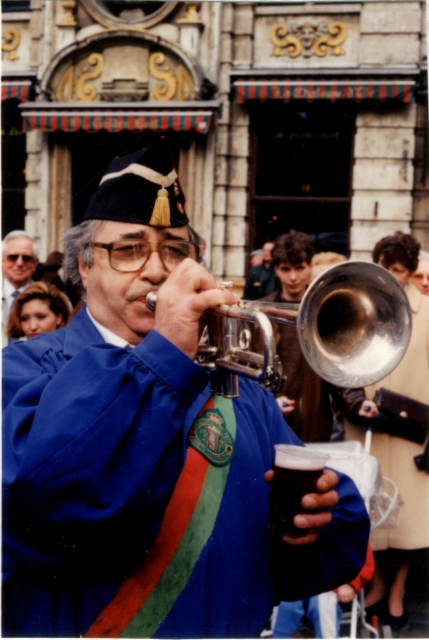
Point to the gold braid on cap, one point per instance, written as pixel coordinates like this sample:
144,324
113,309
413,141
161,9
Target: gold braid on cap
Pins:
161,211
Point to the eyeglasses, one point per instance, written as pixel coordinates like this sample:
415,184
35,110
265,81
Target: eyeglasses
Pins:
13,257
130,255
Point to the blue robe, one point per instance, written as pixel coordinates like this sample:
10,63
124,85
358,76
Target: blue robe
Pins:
94,439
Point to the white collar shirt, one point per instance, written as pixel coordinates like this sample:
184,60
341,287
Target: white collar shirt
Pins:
9,291
108,336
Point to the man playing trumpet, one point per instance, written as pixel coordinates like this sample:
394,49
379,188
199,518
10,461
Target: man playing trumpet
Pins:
118,519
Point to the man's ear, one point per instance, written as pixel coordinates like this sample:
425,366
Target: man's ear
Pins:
83,270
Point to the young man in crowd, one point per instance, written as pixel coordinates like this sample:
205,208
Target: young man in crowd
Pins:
303,397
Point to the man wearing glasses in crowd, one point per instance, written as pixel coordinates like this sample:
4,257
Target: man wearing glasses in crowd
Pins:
121,517
19,262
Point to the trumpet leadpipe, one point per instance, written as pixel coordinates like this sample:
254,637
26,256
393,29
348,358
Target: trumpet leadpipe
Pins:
281,312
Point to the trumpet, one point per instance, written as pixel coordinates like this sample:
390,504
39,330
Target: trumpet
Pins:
353,326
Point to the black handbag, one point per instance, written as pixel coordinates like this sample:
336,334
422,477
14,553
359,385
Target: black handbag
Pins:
422,460
401,416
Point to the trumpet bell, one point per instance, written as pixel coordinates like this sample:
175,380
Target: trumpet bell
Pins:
354,324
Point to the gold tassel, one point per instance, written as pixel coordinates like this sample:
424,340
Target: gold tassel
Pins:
161,211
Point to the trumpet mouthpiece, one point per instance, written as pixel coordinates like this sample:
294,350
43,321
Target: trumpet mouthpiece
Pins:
151,300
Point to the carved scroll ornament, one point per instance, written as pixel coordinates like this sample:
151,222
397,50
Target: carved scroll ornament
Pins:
308,38
11,42
75,86
80,90
175,84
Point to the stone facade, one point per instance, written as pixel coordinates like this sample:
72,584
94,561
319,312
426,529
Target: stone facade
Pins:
212,40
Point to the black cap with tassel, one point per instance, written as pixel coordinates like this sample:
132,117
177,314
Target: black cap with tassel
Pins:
143,188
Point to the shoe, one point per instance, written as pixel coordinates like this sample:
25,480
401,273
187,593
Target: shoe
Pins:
378,609
398,623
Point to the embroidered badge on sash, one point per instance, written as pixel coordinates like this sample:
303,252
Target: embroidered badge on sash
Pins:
211,438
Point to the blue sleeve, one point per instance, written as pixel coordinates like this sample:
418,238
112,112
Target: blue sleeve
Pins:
339,553
335,559
84,445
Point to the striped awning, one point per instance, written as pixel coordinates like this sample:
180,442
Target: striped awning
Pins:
19,89
114,117
322,88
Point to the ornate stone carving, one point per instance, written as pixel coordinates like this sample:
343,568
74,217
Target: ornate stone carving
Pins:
167,89
123,74
81,88
308,37
68,18
124,90
173,85
84,90
192,16
11,42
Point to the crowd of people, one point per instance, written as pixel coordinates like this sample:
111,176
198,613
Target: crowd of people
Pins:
312,407
119,516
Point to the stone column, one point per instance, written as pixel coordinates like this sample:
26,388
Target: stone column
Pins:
238,178
191,26
37,191
384,144
65,23
221,164
231,191
420,218
382,176
37,32
60,218
237,196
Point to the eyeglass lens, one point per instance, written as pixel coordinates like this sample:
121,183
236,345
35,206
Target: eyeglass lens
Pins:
13,257
130,256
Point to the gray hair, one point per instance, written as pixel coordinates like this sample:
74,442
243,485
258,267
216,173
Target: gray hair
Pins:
77,243
20,234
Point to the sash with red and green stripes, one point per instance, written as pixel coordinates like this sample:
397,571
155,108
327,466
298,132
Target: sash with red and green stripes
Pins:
146,598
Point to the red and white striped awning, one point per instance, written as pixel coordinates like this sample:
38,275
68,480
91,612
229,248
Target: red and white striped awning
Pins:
18,89
356,88
115,117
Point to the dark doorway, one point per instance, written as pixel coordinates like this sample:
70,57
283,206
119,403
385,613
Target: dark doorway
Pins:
301,172
91,154
13,168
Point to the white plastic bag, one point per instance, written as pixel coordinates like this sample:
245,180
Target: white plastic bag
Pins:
380,494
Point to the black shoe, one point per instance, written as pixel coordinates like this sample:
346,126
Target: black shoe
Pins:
378,609
398,623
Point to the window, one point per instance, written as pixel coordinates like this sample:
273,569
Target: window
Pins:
301,172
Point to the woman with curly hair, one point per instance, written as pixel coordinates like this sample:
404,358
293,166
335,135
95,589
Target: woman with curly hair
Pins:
40,308
398,253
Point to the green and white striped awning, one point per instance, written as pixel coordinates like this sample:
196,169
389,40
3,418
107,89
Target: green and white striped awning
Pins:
115,117
317,87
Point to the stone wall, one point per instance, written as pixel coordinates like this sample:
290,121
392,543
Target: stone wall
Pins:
383,175
390,177
232,150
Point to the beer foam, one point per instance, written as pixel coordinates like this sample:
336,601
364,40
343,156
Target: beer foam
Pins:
299,458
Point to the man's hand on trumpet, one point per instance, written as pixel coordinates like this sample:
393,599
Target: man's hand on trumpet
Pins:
189,291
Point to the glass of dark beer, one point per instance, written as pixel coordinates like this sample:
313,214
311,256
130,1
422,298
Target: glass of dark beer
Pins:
296,471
